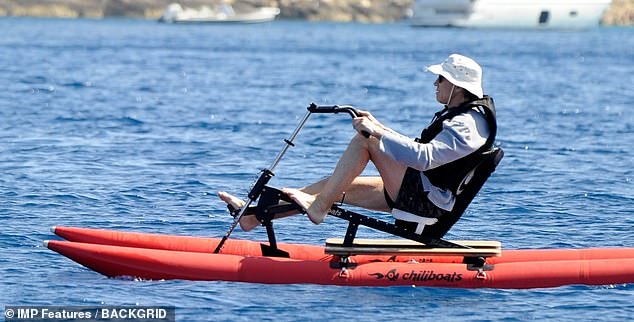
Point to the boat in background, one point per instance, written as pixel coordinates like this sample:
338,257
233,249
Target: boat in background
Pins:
561,14
223,13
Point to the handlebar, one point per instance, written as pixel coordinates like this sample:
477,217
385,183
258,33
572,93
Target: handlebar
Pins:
335,109
313,108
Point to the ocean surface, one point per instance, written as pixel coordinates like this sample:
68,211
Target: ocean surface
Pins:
135,125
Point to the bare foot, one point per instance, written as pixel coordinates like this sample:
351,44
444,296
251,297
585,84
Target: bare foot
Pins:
247,223
307,202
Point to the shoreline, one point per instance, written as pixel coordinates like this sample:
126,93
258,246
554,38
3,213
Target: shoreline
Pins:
620,12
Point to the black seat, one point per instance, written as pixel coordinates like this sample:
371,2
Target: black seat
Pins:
469,190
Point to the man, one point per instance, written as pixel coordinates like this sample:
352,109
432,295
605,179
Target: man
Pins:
419,179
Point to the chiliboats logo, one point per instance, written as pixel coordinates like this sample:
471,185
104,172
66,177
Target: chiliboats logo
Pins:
392,275
418,276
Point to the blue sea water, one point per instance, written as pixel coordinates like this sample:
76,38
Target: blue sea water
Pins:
135,125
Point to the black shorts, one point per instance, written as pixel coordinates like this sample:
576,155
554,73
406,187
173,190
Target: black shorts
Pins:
412,198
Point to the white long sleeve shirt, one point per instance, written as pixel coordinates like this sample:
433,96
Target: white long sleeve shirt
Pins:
460,136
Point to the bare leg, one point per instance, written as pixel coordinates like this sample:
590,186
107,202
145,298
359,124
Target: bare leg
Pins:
366,192
350,165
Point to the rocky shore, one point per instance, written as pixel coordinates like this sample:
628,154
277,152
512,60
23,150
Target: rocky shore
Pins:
621,12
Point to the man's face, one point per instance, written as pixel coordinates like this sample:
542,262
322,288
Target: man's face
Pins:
443,89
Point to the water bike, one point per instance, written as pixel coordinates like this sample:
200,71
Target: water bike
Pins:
410,259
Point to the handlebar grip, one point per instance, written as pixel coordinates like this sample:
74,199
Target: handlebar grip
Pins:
314,108
335,109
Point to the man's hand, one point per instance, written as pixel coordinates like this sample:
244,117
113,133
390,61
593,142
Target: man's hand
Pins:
368,123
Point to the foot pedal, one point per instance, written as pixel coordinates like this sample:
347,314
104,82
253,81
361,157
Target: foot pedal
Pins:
233,210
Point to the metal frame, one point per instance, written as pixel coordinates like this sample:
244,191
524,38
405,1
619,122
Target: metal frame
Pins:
267,174
269,206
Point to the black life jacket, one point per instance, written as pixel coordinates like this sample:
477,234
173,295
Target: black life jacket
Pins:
466,176
450,176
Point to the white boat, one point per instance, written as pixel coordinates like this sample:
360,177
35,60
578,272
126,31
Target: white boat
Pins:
224,13
556,14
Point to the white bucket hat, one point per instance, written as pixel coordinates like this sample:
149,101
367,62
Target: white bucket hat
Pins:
461,71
